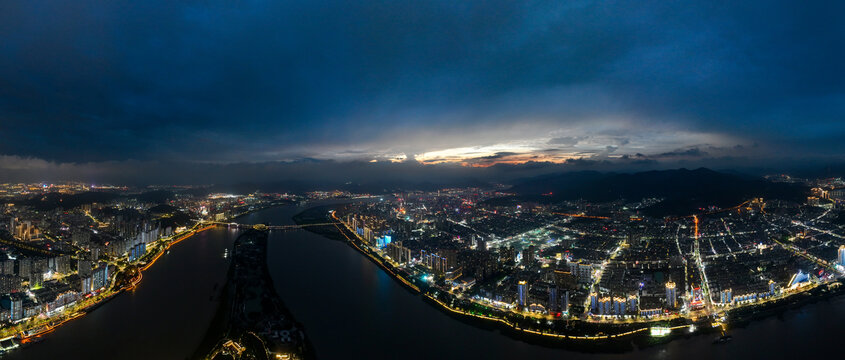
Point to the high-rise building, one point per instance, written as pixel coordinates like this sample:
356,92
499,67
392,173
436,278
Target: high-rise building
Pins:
594,303
23,230
7,267
81,238
24,267
100,276
86,285
726,296
439,263
522,293
620,306
842,255
633,303
564,279
63,264
671,295
605,306
10,283
554,302
528,256
368,235
14,302
564,302
583,271
84,267
836,194
36,279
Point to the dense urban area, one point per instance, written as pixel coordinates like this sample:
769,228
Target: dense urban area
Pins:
68,248
573,270
593,271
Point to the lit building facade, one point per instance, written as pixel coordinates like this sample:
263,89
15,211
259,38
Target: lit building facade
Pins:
671,295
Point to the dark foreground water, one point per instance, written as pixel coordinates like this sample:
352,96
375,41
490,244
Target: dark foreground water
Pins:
353,310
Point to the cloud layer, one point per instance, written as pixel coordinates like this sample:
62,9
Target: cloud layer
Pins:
474,83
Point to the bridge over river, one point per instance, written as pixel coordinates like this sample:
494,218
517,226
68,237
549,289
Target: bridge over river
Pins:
271,227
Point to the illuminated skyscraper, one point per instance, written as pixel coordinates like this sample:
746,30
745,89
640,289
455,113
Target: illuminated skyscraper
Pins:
671,295
619,306
726,297
522,292
605,306
842,255
14,304
564,302
633,303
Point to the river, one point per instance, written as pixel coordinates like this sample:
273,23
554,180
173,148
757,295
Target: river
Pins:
353,310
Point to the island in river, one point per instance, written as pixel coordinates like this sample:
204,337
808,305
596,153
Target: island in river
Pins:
252,322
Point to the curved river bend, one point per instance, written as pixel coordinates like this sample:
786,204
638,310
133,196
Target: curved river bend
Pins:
353,310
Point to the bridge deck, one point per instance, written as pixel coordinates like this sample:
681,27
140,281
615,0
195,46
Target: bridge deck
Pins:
275,227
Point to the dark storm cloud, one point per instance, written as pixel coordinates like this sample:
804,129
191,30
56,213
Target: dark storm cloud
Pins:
234,81
499,155
692,152
325,172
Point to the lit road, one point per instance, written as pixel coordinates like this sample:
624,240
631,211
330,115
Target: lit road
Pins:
796,222
705,284
728,229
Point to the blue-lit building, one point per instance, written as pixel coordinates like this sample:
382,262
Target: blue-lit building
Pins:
522,293
14,303
671,295
799,278
633,303
384,241
619,306
605,306
726,296
137,251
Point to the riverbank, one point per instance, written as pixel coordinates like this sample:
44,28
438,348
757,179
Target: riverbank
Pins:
602,337
742,317
125,279
574,335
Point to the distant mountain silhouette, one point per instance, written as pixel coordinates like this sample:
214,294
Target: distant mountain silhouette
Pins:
371,187
683,189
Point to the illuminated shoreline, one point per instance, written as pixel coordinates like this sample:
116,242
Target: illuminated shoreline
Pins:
695,325
512,325
35,331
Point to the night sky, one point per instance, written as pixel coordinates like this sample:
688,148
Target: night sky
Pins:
202,90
